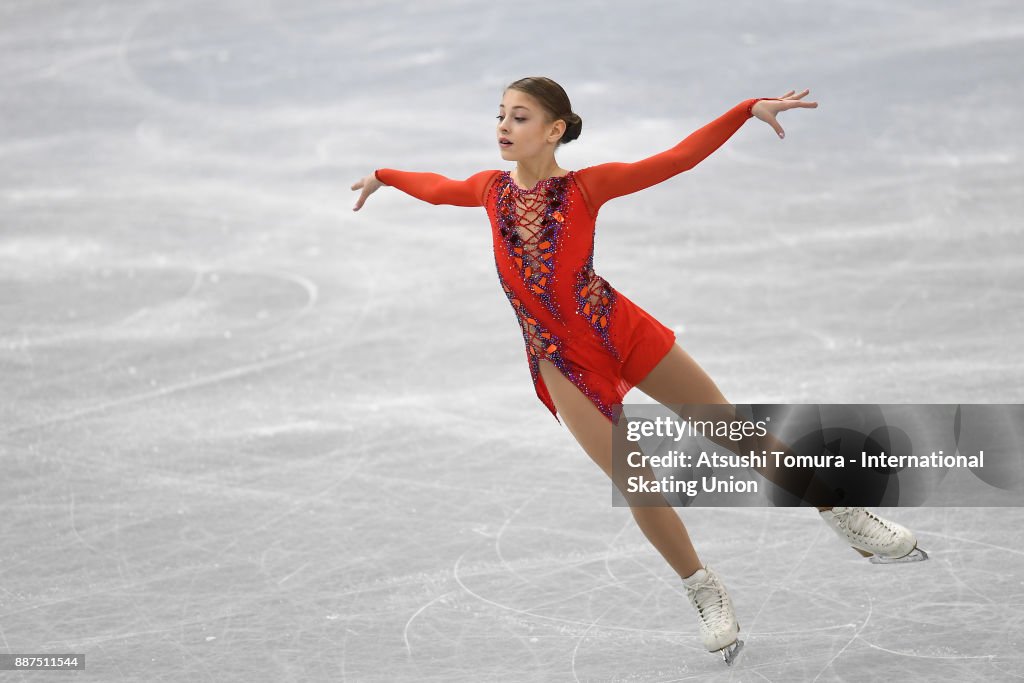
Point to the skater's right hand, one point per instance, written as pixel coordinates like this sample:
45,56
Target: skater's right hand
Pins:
767,109
369,185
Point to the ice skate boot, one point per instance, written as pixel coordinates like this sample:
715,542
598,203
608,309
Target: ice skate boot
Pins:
878,539
718,626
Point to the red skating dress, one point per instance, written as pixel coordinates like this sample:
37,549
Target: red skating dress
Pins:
544,250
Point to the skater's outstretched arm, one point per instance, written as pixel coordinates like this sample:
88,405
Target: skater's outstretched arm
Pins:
430,187
615,179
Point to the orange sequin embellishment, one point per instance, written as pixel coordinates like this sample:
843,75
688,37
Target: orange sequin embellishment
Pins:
595,301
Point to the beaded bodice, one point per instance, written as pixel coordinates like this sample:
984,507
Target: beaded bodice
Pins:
543,251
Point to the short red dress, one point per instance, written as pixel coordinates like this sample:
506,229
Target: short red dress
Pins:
544,251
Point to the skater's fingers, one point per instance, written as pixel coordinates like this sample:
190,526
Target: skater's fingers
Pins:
774,123
369,185
362,198
793,95
767,114
793,104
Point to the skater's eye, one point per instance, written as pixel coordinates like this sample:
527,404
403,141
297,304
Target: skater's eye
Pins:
517,118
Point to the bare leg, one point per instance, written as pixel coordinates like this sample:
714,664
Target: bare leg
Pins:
593,431
678,379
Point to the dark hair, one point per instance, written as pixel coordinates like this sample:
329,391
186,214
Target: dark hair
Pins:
553,99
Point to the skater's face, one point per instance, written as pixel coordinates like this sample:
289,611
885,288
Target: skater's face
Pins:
526,125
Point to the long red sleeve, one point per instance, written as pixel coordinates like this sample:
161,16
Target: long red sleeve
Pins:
614,179
437,189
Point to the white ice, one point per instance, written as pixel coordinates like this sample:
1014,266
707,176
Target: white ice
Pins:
249,434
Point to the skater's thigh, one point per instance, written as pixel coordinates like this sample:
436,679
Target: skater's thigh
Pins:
594,432
677,378
586,423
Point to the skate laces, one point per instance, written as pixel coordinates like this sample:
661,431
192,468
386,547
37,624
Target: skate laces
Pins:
862,523
711,601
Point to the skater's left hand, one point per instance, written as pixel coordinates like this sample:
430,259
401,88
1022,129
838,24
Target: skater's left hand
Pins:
767,109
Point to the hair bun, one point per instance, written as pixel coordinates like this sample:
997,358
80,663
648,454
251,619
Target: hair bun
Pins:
573,127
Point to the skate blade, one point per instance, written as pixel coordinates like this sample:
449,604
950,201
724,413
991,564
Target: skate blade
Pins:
915,555
730,652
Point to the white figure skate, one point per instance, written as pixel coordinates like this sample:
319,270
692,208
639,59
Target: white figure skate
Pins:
718,626
878,539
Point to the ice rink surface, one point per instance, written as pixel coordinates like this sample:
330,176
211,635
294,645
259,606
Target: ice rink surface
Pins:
247,434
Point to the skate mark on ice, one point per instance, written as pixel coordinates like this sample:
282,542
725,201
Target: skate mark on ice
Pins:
249,531
608,554
976,542
182,316
369,304
580,640
955,575
567,598
74,530
871,607
290,575
914,654
996,667
213,378
497,538
405,631
794,567
541,617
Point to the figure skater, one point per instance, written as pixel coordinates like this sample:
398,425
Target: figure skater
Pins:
587,344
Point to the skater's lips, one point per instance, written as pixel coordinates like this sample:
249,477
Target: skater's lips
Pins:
504,140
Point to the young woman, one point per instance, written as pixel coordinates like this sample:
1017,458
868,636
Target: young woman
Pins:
586,343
